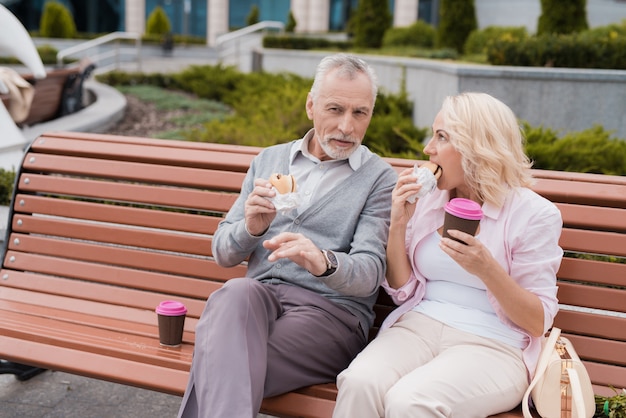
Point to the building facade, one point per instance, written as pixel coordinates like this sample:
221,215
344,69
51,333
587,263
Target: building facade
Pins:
210,18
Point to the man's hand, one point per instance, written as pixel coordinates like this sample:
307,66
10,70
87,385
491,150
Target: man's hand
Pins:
298,249
259,211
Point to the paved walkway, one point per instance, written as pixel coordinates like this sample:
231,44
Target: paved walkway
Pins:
55,394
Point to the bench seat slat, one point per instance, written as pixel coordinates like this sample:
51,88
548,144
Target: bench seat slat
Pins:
141,312
125,345
295,404
96,365
142,325
81,298
58,307
119,286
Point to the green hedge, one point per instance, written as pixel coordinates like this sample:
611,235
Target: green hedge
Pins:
589,49
419,34
480,40
288,41
269,108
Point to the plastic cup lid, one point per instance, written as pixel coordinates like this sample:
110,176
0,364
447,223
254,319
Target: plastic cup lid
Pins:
171,308
464,208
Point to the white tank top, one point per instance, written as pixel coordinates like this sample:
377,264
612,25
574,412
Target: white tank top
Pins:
457,298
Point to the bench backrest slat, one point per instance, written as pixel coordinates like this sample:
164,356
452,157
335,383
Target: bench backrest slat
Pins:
195,157
600,218
593,272
179,265
94,211
138,172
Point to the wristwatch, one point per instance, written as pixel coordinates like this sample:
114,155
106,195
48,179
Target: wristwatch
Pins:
331,263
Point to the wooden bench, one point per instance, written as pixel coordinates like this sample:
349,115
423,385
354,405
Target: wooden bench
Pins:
56,95
104,227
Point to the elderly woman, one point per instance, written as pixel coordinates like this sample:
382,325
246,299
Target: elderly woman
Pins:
466,337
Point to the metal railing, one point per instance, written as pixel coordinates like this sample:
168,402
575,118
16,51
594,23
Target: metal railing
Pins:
230,46
103,59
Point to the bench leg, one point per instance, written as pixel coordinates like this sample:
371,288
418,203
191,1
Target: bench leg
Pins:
21,371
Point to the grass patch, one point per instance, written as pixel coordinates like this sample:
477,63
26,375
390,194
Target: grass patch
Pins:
189,112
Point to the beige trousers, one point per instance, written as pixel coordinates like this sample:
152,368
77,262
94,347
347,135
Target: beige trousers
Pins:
422,368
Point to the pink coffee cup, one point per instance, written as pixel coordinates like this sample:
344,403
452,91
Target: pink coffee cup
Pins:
171,317
463,215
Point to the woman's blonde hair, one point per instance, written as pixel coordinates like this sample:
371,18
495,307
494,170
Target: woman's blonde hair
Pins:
486,133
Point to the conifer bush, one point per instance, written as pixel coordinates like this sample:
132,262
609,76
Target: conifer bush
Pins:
558,16
57,21
480,39
158,23
253,16
290,27
369,23
419,34
457,19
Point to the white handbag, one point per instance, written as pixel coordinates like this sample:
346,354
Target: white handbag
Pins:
561,387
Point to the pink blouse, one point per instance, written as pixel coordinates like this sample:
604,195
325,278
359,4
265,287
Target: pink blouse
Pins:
522,236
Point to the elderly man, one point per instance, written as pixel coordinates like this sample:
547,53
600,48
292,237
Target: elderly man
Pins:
304,310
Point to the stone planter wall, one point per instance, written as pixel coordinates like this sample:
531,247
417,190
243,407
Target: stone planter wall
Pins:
560,98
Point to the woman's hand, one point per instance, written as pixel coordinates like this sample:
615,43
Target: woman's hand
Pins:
474,257
521,306
406,186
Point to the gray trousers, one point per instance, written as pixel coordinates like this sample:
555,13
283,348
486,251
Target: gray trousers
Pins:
256,340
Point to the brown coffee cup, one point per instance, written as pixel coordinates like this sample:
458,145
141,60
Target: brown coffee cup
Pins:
463,215
171,319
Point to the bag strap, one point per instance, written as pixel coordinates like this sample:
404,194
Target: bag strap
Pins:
578,399
542,365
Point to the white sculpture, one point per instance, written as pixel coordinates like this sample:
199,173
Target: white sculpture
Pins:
15,41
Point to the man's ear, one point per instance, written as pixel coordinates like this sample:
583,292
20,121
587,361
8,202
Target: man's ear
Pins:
309,106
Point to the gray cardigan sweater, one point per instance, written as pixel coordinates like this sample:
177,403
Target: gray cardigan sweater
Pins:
352,220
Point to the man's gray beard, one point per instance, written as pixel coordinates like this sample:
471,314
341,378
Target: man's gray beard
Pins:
336,154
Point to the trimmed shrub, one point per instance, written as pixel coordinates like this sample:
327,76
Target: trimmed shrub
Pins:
158,23
582,50
593,150
558,16
303,42
253,16
56,21
369,23
419,34
290,27
7,182
480,39
457,19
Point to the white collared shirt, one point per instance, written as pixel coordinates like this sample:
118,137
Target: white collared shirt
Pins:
314,177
